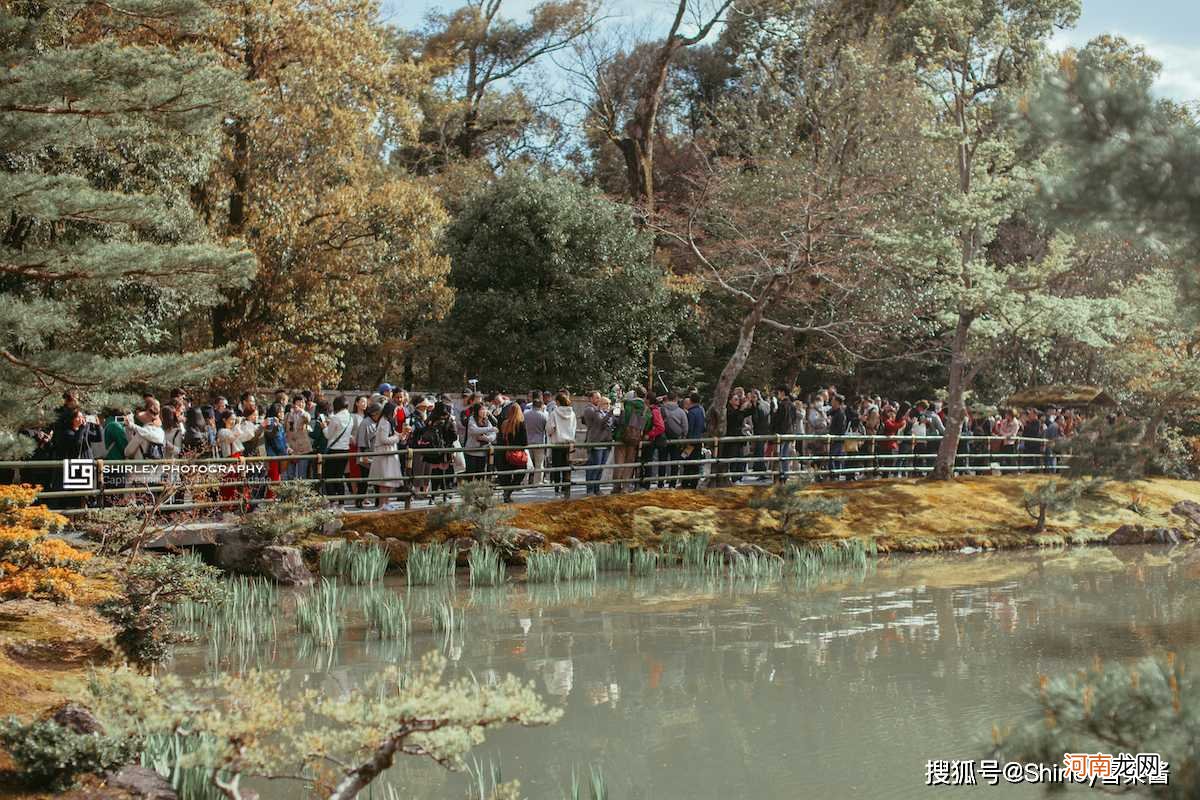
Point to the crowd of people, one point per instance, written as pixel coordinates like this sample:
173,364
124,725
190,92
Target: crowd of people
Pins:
390,442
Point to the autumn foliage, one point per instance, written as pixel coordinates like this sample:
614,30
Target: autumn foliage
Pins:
32,564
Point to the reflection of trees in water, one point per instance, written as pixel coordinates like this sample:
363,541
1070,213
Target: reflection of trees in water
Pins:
735,679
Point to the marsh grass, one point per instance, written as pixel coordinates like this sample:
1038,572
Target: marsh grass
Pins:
596,785
484,780
547,566
319,613
163,753
756,567
354,562
385,614
824,555
690,549
487,566
645,562
611,556
430,563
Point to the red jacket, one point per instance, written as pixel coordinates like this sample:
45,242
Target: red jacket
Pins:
890,428
657,426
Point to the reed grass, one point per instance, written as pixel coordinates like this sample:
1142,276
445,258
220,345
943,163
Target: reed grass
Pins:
487,566
597,786
318,613
163,753
645,562
611,556
756,567
354,562
815,559
484,782
385,614
547,566
689,548
430,563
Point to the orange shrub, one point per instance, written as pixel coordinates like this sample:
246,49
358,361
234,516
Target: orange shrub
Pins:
32,564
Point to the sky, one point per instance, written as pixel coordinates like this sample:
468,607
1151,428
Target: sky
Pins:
1168,29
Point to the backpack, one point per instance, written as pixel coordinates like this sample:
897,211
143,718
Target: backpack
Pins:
635,425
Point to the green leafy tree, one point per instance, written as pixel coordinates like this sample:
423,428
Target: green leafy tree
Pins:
553,286
971,56
80,95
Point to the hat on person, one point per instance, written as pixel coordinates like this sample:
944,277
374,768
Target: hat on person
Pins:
384,388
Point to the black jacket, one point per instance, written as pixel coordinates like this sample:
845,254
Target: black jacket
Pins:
783,418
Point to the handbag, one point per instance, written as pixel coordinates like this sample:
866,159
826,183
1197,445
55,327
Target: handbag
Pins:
517,459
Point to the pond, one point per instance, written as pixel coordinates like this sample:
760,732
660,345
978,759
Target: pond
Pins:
681,686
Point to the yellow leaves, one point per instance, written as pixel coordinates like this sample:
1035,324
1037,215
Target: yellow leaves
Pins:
31,563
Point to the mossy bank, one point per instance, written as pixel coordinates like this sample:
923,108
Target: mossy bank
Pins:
914,515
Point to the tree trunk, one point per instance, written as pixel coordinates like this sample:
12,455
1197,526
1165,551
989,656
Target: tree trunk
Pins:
1041,520
737,360
943,468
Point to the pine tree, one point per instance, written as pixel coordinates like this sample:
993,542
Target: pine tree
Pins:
797,509
86,92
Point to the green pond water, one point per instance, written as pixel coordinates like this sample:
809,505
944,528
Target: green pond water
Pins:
678,686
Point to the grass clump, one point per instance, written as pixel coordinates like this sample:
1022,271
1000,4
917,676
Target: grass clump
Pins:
487,566
547,566
430,563
611,556
354,562
318,613
756,566
385,614
645,562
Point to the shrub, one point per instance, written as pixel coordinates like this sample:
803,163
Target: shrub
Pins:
152,585
115,529
52,756
297,510
32,563
484,514
796,509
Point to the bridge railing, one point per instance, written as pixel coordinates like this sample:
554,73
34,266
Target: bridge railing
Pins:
243,482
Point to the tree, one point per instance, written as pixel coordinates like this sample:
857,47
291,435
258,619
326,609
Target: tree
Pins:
252,727
482,103
343,241
788,223
1148,707
796,508
78,98
553,286
629,119
968,55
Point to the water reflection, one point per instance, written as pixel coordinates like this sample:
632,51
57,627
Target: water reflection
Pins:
686,686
